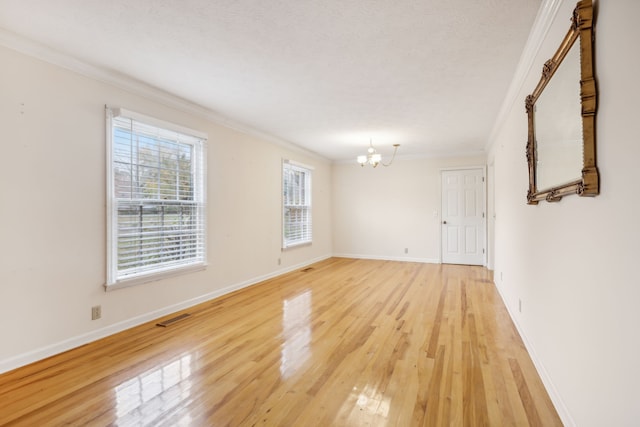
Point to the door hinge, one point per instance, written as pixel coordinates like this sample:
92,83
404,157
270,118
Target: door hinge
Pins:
482,214
482,250
483,179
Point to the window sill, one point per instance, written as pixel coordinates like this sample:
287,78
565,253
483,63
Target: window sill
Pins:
154,277
296,245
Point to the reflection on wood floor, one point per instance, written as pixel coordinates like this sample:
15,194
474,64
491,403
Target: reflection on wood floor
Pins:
346,343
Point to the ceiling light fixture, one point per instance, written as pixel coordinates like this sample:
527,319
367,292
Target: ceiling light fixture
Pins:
374,158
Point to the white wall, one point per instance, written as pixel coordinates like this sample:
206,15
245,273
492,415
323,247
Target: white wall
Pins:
377,213
573,264
52,219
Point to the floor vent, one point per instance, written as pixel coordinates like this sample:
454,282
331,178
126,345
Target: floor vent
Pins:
173,320
304,270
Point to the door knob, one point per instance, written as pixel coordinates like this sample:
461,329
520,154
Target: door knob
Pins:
444,222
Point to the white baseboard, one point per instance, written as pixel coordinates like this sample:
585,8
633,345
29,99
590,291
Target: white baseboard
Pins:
389,258
554,395
68,344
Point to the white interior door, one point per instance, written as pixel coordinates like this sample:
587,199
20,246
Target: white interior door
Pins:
463,216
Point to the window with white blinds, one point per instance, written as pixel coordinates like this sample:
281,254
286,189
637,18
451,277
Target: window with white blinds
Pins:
296,200
156,198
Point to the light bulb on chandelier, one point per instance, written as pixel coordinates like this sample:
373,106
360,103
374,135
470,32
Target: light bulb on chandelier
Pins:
374,158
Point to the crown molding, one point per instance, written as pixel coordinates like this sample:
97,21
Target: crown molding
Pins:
541,25
47,54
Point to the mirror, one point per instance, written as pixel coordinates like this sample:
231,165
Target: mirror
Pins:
558,124
561,116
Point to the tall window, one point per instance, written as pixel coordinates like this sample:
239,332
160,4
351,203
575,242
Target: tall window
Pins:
296,200
156,198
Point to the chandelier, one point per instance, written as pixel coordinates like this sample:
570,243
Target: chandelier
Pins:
374,158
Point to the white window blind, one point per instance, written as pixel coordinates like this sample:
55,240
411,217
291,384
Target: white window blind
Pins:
296,199
156,197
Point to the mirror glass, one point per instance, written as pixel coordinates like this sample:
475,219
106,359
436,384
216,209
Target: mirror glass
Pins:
558,125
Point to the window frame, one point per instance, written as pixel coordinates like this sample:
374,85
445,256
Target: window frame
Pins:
307,237
198,141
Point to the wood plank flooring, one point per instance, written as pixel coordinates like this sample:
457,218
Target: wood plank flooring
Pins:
346,343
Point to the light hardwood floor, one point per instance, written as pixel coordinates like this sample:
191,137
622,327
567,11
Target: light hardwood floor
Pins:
346,343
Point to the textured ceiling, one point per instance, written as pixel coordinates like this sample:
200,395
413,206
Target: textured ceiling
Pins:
326,75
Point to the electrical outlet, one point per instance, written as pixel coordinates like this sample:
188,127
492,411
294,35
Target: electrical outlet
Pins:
279,261
96,312
406,250
501,279
520,305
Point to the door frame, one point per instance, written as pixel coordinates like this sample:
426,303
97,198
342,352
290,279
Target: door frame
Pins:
484,206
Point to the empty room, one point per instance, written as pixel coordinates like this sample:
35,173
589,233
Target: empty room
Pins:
331,213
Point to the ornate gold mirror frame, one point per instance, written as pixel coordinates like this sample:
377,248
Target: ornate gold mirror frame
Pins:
588,184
